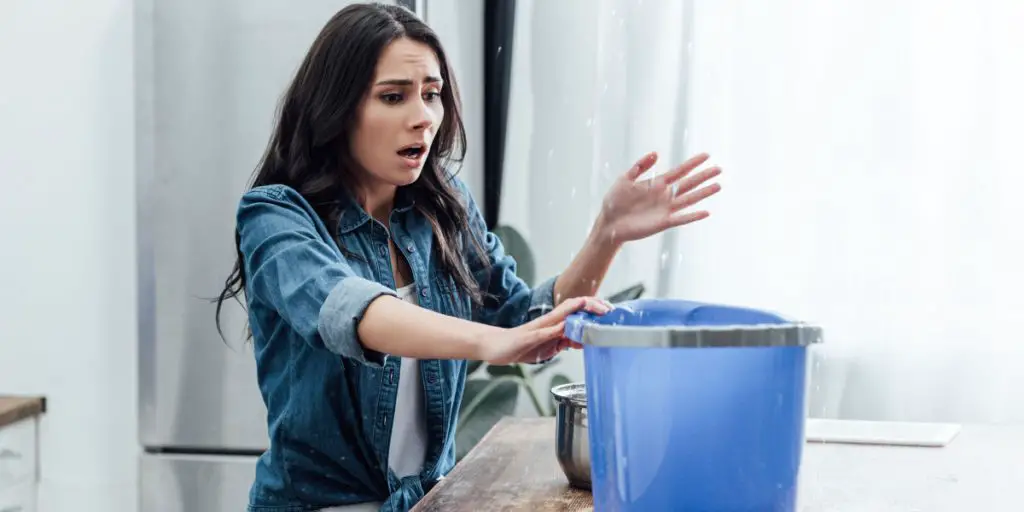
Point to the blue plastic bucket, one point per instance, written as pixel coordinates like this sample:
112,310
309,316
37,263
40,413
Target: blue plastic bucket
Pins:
694,407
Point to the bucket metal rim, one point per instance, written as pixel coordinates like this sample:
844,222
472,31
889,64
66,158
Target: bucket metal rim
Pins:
702,336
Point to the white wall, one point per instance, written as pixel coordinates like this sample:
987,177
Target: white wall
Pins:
67,271
459,24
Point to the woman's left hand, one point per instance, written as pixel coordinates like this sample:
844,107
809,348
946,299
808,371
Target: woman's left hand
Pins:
636,208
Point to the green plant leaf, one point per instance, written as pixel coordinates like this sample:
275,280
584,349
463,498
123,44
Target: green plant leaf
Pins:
556,380
488,400
472,366
516,246
514,370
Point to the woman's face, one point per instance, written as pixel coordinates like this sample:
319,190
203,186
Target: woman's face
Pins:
400,115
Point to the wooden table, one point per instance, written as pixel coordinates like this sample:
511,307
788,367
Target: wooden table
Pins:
514,468
16,408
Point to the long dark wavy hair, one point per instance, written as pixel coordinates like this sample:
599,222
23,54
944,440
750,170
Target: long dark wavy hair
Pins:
310,151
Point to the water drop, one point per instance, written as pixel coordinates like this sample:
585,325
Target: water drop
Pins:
572,193
590,122
499,50
664,259
551,153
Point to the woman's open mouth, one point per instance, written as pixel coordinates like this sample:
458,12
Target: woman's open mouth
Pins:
413,154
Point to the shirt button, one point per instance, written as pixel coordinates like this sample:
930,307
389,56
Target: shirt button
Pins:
423,292
410,248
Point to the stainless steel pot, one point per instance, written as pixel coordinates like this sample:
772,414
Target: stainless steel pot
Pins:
572,446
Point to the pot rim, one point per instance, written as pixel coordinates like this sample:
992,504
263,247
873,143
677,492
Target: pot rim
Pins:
571,394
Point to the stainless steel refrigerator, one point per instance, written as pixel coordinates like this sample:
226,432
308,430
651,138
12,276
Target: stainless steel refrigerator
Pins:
209,73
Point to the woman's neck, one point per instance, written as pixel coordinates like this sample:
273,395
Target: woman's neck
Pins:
378,200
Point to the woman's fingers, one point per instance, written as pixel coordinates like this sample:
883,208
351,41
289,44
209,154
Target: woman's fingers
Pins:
690,182
677,219
641,166
566,308
544,337
545,350
693,197
570,306
539,342
597,306
545,334
684,168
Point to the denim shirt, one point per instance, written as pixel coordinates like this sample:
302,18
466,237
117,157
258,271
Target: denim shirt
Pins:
330,402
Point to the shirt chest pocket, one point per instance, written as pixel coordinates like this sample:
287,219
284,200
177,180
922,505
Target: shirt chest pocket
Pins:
452,301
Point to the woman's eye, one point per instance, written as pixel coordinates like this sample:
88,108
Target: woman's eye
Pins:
432,96
391,98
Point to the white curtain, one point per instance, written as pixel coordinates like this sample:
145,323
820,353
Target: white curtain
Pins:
872,166
872,151
596,85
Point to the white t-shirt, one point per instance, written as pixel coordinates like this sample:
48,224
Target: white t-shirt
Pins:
409,428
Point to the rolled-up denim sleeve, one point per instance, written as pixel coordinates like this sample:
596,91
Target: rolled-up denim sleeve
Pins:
293,268
508,300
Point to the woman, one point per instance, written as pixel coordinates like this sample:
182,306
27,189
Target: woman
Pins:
370,277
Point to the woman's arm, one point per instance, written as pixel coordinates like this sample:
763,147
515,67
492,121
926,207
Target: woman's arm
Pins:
509,301
587,270
423,334
634,209
294,271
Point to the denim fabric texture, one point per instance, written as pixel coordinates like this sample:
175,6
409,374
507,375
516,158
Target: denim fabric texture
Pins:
330,402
